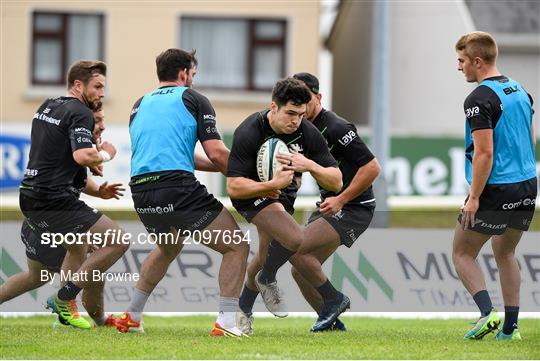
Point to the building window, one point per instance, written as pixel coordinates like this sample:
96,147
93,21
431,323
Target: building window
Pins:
59,39
243,54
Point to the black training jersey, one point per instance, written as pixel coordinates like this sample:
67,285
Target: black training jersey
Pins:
347,148
255,130
60,127
79,182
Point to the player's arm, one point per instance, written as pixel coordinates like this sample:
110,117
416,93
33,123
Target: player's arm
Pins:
362,180
482,161
320,164
329,178
205,116
80,135
203,163
104,191
481,115
245,188
355,152
217,153
242,163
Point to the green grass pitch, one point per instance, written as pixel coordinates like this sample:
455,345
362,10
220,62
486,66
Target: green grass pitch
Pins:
188,338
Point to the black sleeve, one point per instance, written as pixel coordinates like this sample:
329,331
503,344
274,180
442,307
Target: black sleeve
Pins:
243,156
346,139
80,129
203,112
134,110
482,108
532,102
317,147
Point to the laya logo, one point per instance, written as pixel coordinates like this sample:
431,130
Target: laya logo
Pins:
471,112
342,272
347,138
8,267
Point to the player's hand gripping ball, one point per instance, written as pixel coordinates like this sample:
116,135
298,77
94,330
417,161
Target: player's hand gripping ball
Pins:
267,163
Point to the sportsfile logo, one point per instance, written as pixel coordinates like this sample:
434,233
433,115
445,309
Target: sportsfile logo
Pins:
156,210
342,272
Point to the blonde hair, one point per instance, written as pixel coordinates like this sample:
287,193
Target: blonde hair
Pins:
478,44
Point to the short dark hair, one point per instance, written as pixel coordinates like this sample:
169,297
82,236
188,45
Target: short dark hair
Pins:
173,60
290,90
83,70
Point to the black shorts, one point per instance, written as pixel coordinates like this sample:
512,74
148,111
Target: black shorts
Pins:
52,257
186,207
59,215
350,222
505,206
249,208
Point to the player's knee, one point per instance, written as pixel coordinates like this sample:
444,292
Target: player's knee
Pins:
170,252
240,249
502,256
457,258
35,280
117,241
296,240
296,274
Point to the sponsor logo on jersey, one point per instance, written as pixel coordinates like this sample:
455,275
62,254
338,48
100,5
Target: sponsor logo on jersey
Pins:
83,130
163,92
41,116
296,148
510,90
156,210
471,112
484,224
209,117
31,172
84,140
514,205
347,138
338,215
258,201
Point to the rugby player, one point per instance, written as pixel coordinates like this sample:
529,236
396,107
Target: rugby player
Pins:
44,258
61,148
341,217
264,203
501,170
165,125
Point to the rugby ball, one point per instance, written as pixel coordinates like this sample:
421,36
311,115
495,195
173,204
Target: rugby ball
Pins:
267,164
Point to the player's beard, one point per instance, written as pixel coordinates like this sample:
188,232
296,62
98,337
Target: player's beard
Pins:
93,105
